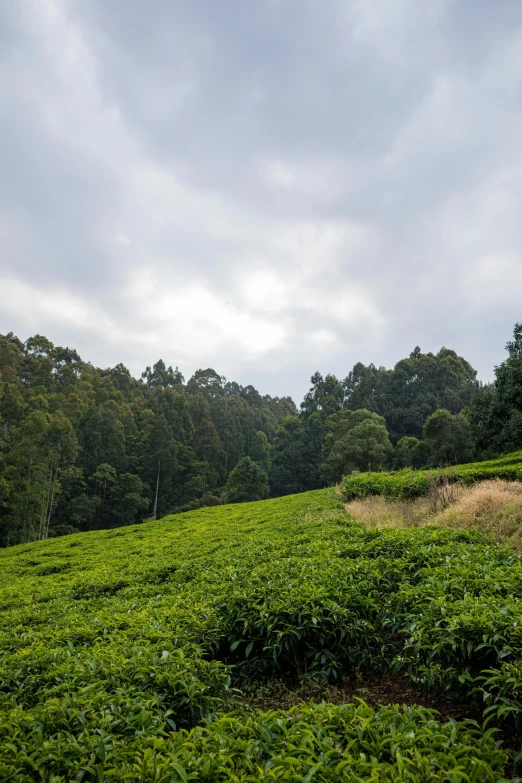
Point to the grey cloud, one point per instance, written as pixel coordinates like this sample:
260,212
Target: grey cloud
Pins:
351,149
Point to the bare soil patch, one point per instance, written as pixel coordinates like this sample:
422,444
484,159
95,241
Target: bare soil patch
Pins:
386,689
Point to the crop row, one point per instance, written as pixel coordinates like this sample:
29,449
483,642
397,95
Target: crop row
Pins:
309,742
410,484
116,644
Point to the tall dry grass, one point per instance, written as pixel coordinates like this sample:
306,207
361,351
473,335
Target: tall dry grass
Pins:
491,507
376,511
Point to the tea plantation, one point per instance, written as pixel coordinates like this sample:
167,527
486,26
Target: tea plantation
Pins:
123,652
409,484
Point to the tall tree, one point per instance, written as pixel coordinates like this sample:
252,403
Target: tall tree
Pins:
358,440
413,390
325,397
162,377
409,453
496,410
248,481
447,439
260,451
208,383
288,471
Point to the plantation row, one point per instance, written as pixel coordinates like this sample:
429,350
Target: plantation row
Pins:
410,484
117,644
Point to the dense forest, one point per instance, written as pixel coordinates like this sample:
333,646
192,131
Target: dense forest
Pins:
83,448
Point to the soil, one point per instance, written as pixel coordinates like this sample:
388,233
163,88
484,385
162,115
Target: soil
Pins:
375,691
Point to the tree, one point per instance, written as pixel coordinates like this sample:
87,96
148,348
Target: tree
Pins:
260,451
447,439
103,438
60,446
409,453
414,389
495,412
208,383
288,472
314,434
358,440
326,396
223,414
127,500
208,447
161,376
87,448
246,482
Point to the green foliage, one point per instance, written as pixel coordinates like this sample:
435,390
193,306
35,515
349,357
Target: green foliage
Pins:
191,435
260,451
288,469
326,396
64,423
447,438
248,481
496,410
116,644
413,390
321,742
409,484
409,453
161,376
358,440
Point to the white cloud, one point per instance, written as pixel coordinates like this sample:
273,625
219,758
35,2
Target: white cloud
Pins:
194,322
47,308
265,290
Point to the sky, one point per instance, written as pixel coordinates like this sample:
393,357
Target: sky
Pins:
267,188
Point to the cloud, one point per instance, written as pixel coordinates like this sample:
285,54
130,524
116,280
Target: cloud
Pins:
268,189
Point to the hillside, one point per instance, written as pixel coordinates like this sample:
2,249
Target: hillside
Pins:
409,484
124,649
84,448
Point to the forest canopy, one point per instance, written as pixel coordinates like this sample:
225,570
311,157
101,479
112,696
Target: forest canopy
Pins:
85,448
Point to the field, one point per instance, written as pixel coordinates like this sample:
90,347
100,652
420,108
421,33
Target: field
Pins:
410,484
126,654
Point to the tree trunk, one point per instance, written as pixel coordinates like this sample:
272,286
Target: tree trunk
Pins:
48,521
155,510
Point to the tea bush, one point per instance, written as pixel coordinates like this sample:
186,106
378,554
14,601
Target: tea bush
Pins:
409,484
122,650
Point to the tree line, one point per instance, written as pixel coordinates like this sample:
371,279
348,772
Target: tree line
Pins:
82,448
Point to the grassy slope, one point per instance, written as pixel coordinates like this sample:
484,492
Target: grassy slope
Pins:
410,484
112,641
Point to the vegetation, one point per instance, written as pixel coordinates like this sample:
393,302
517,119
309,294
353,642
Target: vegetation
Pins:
496,411
247,481
123,649
492,507
134,651
357,440
83,448
404,396
409,484
447,439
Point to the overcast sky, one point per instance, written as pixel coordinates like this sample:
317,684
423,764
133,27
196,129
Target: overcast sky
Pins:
267,187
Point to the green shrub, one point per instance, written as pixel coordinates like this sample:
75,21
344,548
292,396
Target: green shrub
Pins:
409,484
108,663
321,742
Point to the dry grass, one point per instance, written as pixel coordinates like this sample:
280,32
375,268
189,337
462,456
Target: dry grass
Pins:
492,507
376,511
